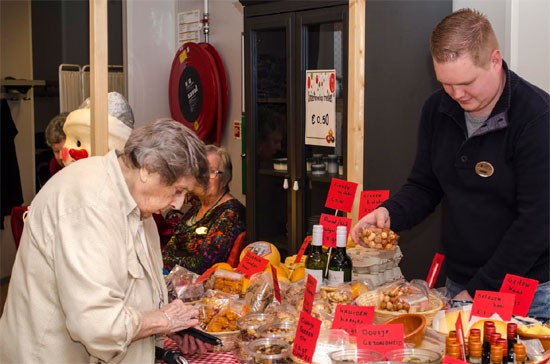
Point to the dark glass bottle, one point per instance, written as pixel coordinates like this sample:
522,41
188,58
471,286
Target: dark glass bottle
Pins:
316,262
488,330
511,336
339,265
504,343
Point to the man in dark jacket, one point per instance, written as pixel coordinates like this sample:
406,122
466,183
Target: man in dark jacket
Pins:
483,153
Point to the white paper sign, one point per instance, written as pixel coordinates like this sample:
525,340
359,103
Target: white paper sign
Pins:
189,27
321,108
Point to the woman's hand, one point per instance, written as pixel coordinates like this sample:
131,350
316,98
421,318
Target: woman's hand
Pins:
379,218
179,316
190,345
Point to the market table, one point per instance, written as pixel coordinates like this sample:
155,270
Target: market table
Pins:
206,358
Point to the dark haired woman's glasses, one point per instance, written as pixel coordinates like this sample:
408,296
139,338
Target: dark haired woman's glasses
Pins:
213,174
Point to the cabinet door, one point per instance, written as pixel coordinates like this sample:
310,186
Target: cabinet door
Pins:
321,44
269,109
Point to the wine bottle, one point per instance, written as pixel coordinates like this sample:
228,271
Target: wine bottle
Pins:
339,265
511,335
316,261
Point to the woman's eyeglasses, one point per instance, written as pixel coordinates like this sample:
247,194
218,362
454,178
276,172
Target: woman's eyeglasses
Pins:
213,174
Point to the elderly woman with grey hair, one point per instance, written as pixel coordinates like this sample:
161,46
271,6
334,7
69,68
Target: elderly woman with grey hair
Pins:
206,232
87,283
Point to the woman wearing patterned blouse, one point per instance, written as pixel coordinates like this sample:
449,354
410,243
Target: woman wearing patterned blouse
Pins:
206,232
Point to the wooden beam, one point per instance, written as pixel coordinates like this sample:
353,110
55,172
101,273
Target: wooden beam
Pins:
356,98
99,77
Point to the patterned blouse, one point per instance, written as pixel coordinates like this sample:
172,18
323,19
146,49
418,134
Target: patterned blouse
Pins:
207,241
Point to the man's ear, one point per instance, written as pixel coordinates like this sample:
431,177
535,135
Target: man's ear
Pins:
496,58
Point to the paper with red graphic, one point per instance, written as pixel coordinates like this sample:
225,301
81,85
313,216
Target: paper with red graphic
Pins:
320,104
486,303
330,223
341,195
523,288
348,317
371,199
307,333
381,338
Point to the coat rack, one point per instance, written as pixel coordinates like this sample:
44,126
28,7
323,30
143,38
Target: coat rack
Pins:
15,90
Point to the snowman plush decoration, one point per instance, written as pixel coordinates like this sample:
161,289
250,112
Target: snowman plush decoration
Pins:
78,130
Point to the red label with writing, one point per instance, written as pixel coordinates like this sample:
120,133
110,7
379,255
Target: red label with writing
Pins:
450,360
207,273
460,336
276,289
309,293
487,303
307,333
349,317
381,338
434,269
523,288
302,250
341,195
371,199
251,263
330,222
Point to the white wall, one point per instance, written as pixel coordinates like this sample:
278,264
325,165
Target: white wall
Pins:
16,61
151,46
523,31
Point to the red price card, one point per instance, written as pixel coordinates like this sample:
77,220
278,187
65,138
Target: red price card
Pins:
487,303
381,338
309,293
435,268
330,222
251,263
523,288
307,333
450,360
207,273
341,195
302,250
276,289
349,317
371,199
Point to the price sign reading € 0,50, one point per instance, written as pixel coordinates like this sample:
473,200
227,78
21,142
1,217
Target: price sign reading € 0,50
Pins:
321,108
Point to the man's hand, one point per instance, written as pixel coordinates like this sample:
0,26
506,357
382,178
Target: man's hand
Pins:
190,345
463,296
379,218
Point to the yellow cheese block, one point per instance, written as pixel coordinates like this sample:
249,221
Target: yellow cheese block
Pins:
499,325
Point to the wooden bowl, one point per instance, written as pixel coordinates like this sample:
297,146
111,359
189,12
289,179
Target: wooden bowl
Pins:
544,339
414,326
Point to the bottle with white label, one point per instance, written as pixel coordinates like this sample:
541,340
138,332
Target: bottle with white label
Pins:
339,265
316,261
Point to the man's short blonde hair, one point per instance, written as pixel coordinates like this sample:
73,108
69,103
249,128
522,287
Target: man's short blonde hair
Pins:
464,32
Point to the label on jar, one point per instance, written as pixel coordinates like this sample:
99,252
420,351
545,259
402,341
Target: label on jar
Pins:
318,275
335,277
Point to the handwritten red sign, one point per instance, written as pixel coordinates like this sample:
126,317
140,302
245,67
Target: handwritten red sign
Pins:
349,317
302,250
276,289
307,333
341,195
523,288
371,199
207,273
251,263
487,303
381,338
435,268
309,293
450,360
330,223
460,336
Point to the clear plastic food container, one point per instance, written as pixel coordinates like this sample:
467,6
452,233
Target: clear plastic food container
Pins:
270,351
279,330
359,356
411,355
249,325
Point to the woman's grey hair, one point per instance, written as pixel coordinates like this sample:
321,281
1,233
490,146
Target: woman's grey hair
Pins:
54,131
170,149
225,164
464,32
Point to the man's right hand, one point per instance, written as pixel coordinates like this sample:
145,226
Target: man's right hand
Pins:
379,218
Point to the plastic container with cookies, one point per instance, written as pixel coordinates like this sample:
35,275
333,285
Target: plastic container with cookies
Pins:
226,281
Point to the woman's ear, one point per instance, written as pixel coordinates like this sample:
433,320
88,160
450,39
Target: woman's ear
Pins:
143,175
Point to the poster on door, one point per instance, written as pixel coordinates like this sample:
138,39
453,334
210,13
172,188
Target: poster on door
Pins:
321,108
